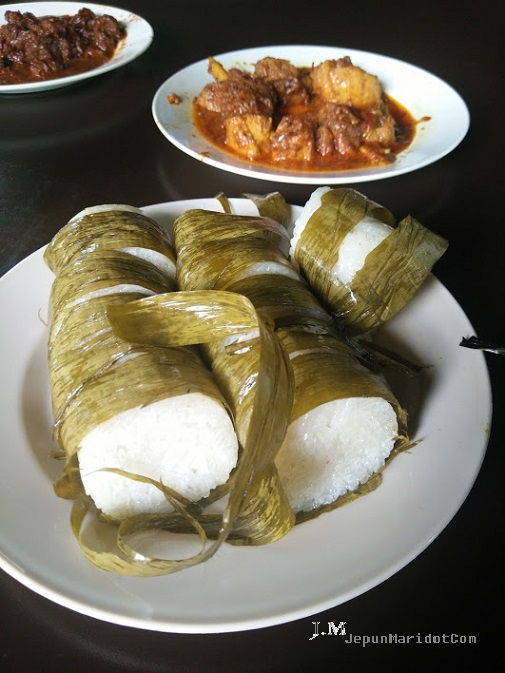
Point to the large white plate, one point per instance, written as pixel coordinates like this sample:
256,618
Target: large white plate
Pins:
423,94
319,564
139,37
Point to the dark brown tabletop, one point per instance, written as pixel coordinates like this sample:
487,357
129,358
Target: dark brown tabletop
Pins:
96,142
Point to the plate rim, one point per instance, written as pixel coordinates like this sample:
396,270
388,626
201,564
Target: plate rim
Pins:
251,622
197,147
128,16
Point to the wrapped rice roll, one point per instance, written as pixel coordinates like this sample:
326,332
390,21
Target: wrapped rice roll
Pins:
127,416
361,264
253,373
345,422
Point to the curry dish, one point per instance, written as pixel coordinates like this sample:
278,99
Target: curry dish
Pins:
327,117
34,49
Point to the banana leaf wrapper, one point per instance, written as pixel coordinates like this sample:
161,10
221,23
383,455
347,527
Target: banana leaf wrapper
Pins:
290,302
272,205
215,249
113,227
341,375
284,300
392,273
254,376
81,341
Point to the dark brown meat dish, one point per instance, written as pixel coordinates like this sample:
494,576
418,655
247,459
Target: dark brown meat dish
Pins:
331,116
41,48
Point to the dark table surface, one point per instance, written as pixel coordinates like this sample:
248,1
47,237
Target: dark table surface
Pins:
96,142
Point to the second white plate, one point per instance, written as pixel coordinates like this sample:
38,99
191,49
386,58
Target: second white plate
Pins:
423,94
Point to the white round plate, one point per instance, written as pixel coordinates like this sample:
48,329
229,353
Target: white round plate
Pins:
139,37
320,563
423,94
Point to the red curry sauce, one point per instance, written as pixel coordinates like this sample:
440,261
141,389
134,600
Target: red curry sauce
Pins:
210,125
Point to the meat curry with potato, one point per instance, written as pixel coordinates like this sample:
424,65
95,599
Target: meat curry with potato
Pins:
328,117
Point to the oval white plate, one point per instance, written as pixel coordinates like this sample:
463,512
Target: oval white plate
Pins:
319,564
139,37
423,94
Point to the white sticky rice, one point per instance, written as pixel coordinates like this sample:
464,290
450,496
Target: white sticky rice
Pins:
364,237
187,442
334,448
157,259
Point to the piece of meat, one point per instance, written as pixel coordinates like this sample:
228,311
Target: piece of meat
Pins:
293,139
289,82
248,135
240,93
337,124
379,126
324,141
97,32
338,82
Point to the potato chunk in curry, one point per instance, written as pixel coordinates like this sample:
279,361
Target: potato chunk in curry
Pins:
248,135
343,83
